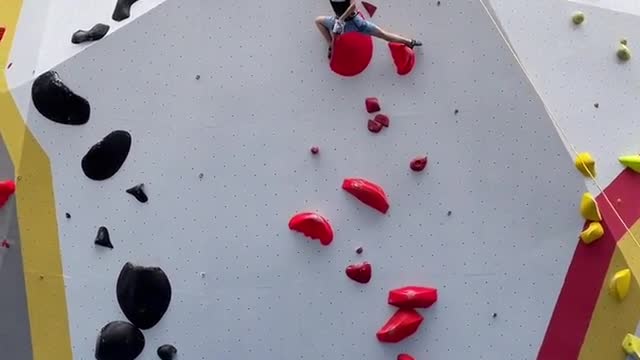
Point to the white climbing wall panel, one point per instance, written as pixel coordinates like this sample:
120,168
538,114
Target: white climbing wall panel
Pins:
574,68
246,287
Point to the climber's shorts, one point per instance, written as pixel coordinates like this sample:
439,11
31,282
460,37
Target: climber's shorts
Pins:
357,24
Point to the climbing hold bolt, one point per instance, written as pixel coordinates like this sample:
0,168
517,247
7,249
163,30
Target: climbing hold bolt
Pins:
586,164
589,208
578,17
620,283
631,161
623,53
592,233
631,345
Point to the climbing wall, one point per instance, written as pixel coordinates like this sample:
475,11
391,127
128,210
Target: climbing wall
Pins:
215,108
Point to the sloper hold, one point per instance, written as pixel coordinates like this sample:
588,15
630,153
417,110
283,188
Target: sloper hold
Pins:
122,10
405,357
103,238
104,159
97,32
138,192
413,297
592,233
144,294
371,9
167,352
589,208
403,57
418,163
352,53
631,161
312,225
620,284
631,345
401,325
7,188
55,101
372,104
119,340
369,193
359,272
586,164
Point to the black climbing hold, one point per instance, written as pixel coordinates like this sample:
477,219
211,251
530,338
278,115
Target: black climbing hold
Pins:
138,192
449,213
200,176
55,101
197,77
97,32
103,238
596,105
122,10
495,315
144,294
119,340
359,250
167,352
456,111
438,3
105,158
67,215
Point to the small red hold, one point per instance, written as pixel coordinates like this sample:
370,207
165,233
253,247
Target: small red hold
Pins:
418,163
359,250
382,119
374,126
2,31
372,104
359,272
369,193
405,357
315,150
7,188
5,244
312,225
371,9
403,57
413,297
401,325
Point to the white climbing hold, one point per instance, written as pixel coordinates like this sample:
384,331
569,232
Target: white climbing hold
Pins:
589,208
592,233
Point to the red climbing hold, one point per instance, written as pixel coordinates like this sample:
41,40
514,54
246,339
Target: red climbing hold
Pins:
2,31
352,53
403,57
418,163
382,119
7,188
413,297
367,192
401,325
371,9
374,126
5,244
359,272
312,225
405,357
372,104
315,150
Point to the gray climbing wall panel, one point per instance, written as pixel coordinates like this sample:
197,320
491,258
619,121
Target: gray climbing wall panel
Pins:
244,286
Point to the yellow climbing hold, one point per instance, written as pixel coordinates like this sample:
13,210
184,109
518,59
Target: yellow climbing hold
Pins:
589,208
578,17
586,165
631,161
592,233
623,52
631,345
620,283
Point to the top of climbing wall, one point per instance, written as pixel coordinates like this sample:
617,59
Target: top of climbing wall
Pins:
219,188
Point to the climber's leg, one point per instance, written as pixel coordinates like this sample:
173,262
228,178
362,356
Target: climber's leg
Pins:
372,29
325,24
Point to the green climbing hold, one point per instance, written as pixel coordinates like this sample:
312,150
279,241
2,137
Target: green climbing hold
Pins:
623,52
578,17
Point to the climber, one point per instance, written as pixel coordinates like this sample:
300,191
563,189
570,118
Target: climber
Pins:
348,19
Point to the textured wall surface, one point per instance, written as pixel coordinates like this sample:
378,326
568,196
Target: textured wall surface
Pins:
225,162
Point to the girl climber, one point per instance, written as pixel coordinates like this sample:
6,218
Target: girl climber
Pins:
347,19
